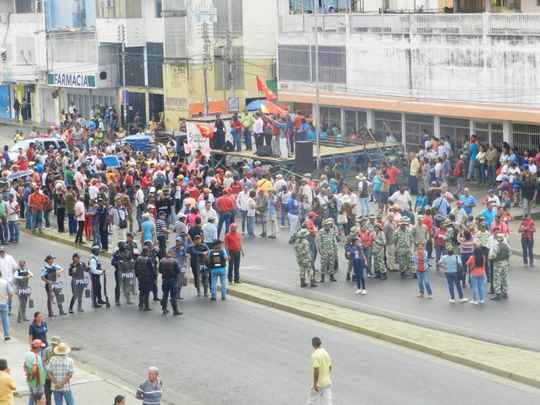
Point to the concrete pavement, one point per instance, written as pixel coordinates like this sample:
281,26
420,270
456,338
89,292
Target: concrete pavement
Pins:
238,353
88,388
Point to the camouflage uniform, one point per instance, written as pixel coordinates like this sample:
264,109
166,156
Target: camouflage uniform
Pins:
351,238
327,243
500,254
379,243
403,239
303,255
389,232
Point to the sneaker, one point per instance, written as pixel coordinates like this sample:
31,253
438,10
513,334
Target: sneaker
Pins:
482,302
364,292
420,295
430,297
358,292
462,300
473,302
452,301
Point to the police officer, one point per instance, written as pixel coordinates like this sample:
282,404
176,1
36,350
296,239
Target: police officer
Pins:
123,263
500,254
50,274
179,252
169,270
96,271
144,270
79,282
153,253
303,258
327,244
198,254
21,278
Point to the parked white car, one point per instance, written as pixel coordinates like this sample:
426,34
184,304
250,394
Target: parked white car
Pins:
40,143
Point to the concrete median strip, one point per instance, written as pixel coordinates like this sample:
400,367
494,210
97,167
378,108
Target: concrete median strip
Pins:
516,364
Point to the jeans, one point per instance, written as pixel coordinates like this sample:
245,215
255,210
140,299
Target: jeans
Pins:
377,195
453,280
80,229
60,396
72,224
359,265
478,290
282,214
247,139
13,231
250,226
140,211
224,219
482,169
460,184
527,245
491,171
219,272
424,282
243,220
470,172
364,207
28,218
37,220
236,140
4,314
413,184
234,267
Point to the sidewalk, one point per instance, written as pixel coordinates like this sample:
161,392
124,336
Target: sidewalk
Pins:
88,388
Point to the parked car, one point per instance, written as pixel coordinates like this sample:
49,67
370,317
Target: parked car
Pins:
39,143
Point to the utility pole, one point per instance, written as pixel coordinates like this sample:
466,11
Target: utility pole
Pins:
317,86
122,38
230,53
206,61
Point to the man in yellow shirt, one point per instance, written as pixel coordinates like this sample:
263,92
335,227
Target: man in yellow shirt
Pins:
414,168
7,384
321,392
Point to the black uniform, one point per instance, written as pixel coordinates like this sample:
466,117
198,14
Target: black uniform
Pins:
23,291
53,287
79,283
144,270
169,269
123,263
199,268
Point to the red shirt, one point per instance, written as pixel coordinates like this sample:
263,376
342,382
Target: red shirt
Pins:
365,238
427,221
232,241
420,264
527,229
393,173
129,180
476,271
225,204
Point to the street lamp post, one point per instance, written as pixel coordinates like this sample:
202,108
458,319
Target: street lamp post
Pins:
317,87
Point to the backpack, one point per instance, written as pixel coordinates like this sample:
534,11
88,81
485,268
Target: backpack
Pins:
160,180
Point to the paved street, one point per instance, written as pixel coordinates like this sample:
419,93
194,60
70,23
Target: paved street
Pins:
240,353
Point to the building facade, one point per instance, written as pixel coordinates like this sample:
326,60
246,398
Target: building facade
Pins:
212,62
444,74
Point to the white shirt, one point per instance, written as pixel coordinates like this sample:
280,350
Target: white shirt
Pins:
258,127
80,211
139,197
8,265
402,200
5,291
242,200
12,211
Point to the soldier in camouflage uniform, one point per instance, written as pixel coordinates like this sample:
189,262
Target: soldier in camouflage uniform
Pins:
500,254
390,251
379,243
327,245
403,239
303,258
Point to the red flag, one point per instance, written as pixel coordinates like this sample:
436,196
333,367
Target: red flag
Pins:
261,86
274,109
206,130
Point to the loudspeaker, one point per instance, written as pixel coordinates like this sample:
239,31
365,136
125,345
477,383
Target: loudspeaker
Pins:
304,161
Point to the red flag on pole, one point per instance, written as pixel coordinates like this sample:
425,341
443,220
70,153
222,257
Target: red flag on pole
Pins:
206,130
261,86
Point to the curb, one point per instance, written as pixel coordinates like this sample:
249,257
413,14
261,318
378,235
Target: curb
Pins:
394,339
65,242
519,253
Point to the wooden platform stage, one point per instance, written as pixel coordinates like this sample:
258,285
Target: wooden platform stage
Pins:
326,152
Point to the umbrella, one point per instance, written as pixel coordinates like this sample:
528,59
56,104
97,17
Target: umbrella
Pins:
18,175
255,105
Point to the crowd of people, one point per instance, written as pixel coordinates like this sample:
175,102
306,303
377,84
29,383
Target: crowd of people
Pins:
171,211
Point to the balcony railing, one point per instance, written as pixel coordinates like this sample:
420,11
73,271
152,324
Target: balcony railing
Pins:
428,24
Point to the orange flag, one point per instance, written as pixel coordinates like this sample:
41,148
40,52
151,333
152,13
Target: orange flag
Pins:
274,109
206,130
261,86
